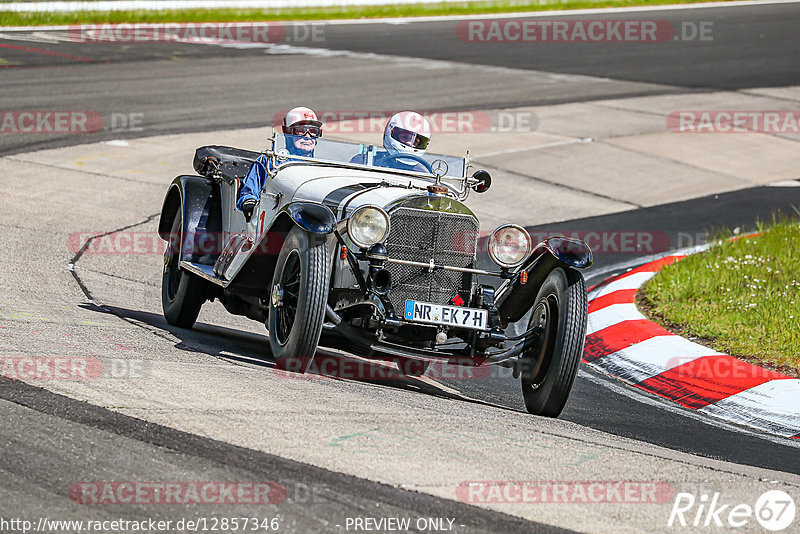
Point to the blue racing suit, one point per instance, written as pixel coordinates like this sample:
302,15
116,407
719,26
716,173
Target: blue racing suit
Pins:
253,181
256,177
380,161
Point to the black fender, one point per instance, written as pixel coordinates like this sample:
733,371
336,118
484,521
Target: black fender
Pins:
190,195
311,217
567,250
555,251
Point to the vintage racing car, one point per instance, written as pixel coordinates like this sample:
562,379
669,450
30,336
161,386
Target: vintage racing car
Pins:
379,261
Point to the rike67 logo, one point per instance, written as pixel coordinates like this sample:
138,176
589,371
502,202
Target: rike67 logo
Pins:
774,510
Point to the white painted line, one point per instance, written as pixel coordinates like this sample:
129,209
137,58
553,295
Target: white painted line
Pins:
414,62
640,396
539,147
785,183
39,36
652,357
149,5
128,5
773,406
611,315
628,281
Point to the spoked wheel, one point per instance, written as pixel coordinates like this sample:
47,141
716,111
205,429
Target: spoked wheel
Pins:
549,368
182,293
285,293
298,297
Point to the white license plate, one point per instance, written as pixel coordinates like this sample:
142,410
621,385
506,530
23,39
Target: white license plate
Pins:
424,312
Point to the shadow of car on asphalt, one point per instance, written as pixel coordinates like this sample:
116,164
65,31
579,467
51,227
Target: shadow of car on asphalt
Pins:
248,348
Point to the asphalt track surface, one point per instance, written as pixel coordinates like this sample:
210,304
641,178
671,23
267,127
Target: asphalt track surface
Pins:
316,499
756,46
183,88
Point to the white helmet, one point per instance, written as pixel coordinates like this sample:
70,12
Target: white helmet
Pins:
407,132
299,116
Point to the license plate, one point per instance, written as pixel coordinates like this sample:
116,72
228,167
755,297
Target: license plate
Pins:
424,312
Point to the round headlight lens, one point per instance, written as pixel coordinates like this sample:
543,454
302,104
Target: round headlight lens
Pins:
509,245
368,225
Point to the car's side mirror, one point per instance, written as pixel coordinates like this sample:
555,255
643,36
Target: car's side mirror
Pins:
482,181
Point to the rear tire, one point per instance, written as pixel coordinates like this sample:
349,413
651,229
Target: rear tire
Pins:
549,369
298,296
182,293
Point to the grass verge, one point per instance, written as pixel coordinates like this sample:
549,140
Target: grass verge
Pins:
741,297
317,13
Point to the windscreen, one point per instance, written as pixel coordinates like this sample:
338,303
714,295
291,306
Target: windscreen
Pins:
293,147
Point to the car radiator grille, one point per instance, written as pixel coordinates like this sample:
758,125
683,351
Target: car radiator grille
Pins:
419,235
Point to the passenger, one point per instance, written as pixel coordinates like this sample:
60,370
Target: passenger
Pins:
302,128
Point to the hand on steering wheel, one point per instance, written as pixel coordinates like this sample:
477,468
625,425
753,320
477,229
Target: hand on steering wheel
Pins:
394,157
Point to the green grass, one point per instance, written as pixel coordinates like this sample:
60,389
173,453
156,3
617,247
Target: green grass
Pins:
741,297
243,15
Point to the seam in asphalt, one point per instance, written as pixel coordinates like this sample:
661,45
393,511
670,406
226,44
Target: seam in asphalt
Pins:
563,186
84,171
72,263
740,91
744,182
749,92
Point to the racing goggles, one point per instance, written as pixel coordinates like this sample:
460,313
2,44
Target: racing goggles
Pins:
302,129
409,138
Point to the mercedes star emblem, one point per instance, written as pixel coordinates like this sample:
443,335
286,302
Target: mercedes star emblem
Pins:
439,167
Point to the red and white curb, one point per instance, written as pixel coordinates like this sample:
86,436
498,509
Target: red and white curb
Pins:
622,342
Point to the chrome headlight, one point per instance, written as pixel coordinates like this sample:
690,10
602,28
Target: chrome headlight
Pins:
509,245
368,225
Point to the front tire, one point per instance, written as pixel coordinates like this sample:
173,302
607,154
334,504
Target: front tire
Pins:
182,293
549,369
298,296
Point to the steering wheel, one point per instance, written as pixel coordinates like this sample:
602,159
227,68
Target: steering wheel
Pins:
395,157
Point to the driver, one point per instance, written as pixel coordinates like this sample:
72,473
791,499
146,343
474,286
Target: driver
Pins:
406,132
302,128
